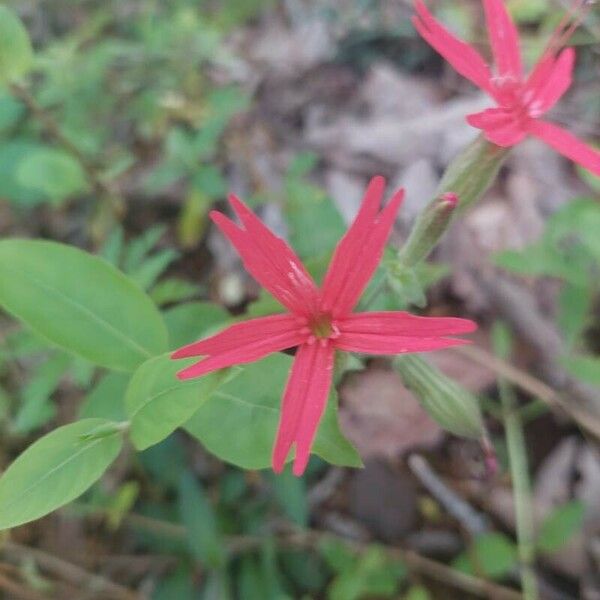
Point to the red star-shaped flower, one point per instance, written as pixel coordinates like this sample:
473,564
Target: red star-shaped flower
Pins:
521,100
319,321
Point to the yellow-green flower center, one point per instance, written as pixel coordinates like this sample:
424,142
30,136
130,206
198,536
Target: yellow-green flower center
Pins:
321,326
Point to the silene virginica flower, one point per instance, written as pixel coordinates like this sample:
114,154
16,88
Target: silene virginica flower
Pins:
318,321
521,100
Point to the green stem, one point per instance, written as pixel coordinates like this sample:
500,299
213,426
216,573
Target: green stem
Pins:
517,454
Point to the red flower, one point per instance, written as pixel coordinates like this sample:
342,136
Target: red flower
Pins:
318,321
521,100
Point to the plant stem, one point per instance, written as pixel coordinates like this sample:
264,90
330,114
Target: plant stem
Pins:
517,454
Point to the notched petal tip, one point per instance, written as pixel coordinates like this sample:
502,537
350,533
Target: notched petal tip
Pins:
242,211
398,196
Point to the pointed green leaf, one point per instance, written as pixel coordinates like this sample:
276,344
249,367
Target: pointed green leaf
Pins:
55,470
80,303
239,421
157,402
560,525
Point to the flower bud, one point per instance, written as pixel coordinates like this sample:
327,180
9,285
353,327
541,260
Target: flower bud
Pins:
450,405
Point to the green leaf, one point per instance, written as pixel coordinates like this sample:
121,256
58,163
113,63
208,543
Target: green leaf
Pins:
157,402
574,307
315,224
586,368
188,322
153,267
560,526
200,523
16,54
495,555
373,574
107,399
239,421
12,153
80,303
417,592
52,172
55,470
173,289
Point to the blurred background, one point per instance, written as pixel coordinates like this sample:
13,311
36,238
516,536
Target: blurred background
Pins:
138,118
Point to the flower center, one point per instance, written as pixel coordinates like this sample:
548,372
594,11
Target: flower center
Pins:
321,326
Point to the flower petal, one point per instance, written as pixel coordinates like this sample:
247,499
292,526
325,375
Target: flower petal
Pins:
303,405
504,39
551,82
463,58
567,144
499,126
238,354
240,334
380,343
400,323
358,253
269,259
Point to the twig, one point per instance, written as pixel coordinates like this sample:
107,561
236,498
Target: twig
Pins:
104,189
474,522
68,571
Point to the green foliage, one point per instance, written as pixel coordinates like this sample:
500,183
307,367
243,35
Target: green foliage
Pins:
11,110
53,173
12,154
105,400
239,421
491,554
157,402
108,321
16,55
370,573
417,592
568,250
55,470
36,408
188,322
200,523
314,221
560,525
586,368
290,492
